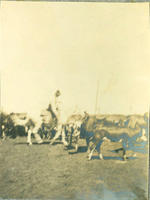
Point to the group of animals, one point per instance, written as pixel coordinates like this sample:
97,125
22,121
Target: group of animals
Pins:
95,129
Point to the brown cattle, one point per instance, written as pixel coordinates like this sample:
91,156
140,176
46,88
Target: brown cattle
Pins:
95,135
141,120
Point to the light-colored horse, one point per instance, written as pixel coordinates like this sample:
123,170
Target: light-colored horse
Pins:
31,126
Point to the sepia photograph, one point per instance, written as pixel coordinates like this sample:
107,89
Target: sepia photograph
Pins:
74,100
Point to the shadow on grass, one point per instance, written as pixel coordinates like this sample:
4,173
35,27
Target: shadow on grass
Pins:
34,143
82,149
112,158
55,143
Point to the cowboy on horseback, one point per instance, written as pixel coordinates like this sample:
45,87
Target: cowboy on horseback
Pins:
55,108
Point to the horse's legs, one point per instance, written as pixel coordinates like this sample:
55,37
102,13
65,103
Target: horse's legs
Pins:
37,136
60,131
88,147
43,136
98,148
64,137
91,153
3,133
49,134
76,143
69,135
76,147
124,150
124,155
101,156
29,137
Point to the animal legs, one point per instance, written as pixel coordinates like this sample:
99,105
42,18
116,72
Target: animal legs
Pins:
76,143
37,136
60,131
124,151
3,133
124,155
98,148
101,156
29,137
91,153
88,147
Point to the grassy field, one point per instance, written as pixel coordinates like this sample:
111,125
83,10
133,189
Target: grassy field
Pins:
52,172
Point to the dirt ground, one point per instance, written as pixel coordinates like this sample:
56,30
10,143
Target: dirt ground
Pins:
52,172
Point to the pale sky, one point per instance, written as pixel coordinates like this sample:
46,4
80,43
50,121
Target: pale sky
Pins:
70,46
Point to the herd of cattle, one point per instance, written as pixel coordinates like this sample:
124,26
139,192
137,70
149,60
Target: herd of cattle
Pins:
95,129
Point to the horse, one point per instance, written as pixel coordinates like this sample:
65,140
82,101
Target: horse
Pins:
32,126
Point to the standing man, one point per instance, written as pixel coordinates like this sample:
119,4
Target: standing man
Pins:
56,107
